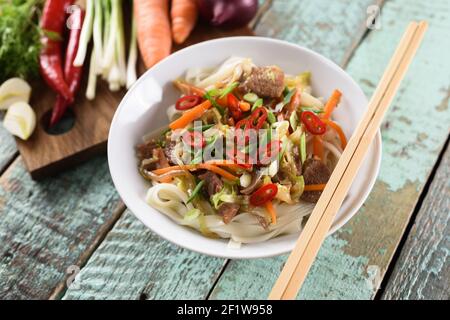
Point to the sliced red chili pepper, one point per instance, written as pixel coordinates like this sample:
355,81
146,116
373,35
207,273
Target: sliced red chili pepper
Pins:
313,123
194,139
264,194
241,159
188,102
268,153
258,117
233,106
243,132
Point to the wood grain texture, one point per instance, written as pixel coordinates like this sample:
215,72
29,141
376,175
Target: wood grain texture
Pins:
353,261
134,263
48,226
45,154
101,275
7,147
423,268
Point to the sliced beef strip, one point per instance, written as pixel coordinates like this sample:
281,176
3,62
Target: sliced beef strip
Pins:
169,151
145,150
314,172
213,183
228,211
267,82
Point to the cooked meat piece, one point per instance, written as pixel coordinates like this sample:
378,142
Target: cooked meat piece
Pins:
145,150
228,211
169,151
265,82
314,172
213,183
298,161
162,160
256,182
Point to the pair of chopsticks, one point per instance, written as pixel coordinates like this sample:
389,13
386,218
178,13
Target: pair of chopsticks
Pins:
314,233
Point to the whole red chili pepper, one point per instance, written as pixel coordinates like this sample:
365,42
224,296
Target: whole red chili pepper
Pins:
50,61
72,74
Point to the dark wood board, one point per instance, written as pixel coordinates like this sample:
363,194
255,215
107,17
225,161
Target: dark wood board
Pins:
45,154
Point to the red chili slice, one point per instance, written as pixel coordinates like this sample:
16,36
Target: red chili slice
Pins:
188,102
258,117
194,139
241,159
313,123
269,153
263,195
243,135
233,106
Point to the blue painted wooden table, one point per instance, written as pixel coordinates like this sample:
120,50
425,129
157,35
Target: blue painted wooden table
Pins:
396,247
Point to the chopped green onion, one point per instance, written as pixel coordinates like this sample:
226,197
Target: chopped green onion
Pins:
214,103
251,97
285,91
196,191
198,157
228,89
213,92
271,117
192,214
312,110
202,128
303,147
258,103
293,120
288,97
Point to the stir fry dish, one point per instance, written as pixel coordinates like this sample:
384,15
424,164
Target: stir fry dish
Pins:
247,154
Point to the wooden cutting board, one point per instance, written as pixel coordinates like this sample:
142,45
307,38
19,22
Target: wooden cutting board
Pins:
83,133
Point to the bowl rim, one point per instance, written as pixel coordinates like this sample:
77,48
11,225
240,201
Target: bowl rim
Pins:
234,254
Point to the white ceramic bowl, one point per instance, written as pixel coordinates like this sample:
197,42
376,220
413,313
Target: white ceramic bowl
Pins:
143,110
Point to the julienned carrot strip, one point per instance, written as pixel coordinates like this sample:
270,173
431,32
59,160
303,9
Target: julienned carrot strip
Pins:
206,166
190,115
217,170
339,131
184,16
331,104
314,187
225,163
272,212
153,30
318,147
171,168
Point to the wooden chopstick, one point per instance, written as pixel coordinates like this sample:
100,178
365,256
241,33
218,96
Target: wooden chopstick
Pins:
311,238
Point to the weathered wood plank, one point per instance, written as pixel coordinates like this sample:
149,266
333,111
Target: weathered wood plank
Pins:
331,29
47,227
7,147
352,262
423,268
101,277
134,263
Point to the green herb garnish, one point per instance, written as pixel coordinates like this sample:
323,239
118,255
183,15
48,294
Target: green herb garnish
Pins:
196,191
19,38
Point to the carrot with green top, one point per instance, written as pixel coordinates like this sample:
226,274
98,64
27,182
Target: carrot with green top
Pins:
331,104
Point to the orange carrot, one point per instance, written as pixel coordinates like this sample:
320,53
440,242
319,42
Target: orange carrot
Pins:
318,147
190,115
172,168
217,170
331,104
153,30
339,131
188,88
244,106
272,212
314,187
206,166
184,16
